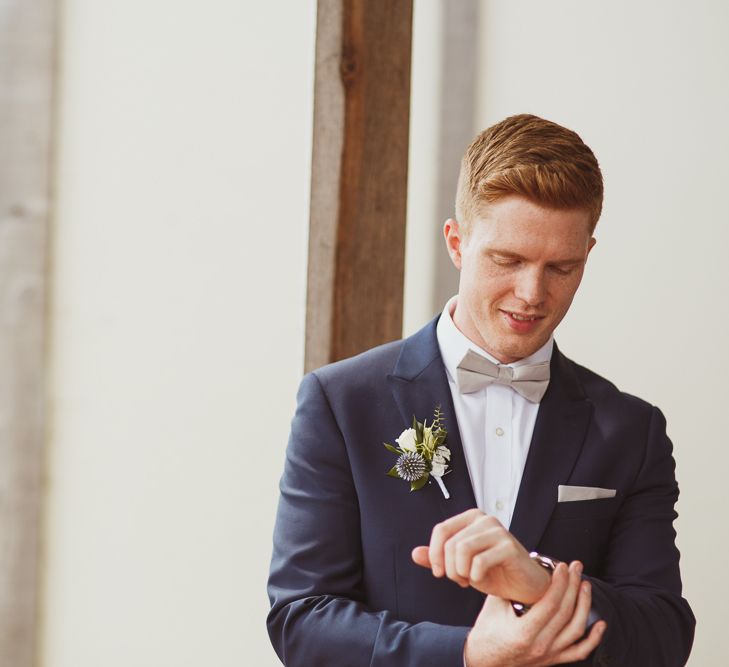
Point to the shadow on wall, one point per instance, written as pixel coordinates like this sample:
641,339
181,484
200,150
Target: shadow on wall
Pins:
456,126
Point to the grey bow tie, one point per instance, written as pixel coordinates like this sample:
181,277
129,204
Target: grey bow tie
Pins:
476,372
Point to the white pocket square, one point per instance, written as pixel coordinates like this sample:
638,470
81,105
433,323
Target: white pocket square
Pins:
567,494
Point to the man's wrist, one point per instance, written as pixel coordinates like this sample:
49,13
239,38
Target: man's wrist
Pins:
546,567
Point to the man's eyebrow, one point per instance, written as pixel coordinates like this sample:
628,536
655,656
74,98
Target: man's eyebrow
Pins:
567,261
504,253
508,254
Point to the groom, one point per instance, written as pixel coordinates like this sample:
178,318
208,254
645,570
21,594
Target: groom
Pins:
549,538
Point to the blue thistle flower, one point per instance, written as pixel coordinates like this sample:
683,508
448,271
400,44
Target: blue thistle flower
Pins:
411,466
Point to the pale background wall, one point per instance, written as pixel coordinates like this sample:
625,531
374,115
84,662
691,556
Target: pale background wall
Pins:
174,247
179,275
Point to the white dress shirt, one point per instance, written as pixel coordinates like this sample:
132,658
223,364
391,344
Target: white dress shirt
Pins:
496,423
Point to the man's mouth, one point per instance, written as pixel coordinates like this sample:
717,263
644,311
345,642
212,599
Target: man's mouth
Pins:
522,323
519,317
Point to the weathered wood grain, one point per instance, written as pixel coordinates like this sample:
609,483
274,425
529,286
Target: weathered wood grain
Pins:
26,77
359,177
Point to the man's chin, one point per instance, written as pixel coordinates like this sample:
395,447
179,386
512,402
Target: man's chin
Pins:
512,350
506,345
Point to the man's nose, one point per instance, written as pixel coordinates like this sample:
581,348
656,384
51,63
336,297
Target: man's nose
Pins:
530,287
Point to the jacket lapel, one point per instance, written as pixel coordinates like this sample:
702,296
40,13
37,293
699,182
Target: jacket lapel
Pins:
559,433
419,383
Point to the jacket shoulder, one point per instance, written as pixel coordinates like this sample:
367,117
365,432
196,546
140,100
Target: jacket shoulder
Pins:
406,356
373,362
603,392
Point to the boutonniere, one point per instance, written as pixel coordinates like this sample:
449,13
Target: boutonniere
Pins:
422,454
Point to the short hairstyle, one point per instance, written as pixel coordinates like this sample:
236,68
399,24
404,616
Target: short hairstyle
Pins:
532,157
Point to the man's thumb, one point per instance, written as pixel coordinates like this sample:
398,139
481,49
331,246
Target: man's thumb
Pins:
420,556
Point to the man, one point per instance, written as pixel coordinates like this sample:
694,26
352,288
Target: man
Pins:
539,454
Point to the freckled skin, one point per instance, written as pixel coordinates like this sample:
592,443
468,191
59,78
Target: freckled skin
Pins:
517,257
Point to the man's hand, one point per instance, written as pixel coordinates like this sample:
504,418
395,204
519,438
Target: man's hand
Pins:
550,633
474,549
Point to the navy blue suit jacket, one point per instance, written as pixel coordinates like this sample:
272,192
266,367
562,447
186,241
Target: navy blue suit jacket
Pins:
343,588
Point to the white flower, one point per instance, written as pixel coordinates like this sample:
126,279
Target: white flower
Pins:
440,461
438,469
407,440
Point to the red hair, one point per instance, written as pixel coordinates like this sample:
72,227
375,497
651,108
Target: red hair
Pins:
532,157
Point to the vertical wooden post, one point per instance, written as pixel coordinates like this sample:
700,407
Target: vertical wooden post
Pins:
26,73
359,177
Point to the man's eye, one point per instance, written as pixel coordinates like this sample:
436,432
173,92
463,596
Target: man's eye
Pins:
562,271
505,261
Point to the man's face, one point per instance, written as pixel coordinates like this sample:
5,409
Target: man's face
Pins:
520,265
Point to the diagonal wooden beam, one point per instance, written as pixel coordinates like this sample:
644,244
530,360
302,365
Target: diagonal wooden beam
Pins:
359,177
26,76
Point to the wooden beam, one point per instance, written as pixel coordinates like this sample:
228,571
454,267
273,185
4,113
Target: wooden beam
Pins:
26,73
359,177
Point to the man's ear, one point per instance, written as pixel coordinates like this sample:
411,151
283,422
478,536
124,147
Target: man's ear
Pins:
591,244
452,235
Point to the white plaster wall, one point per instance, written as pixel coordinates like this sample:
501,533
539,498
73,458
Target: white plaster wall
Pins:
645,84
420,239
179,273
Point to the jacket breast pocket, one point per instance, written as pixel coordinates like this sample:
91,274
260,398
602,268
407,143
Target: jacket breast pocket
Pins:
580,530
597,508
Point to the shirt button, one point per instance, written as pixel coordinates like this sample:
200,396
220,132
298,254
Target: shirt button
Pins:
499,505
499,431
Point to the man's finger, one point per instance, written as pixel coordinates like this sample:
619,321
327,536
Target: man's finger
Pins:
481,533
467,546
582,649
420,556
566,610
482,562
577,624
450,548
442,532
543,611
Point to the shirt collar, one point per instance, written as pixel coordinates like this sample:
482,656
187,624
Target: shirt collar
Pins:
454,344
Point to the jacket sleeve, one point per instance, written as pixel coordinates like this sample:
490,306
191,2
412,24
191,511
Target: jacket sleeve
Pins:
318,615
639,590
